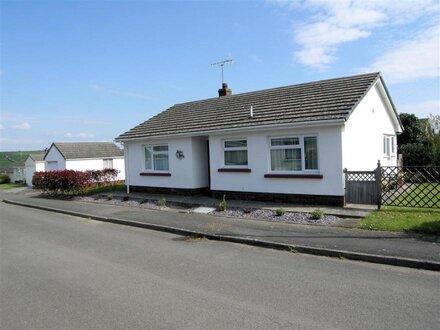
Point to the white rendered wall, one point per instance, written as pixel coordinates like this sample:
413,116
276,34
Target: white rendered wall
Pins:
119,164
30,170
186,173
32,167
96,164
363,133
54,155
329,158
39,166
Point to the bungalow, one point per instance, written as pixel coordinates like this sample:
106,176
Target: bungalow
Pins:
82,156
288,143
34,163
15,171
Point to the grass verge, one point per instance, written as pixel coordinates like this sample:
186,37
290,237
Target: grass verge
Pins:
392,218
7,186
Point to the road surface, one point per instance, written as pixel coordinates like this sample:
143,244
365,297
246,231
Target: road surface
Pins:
63,272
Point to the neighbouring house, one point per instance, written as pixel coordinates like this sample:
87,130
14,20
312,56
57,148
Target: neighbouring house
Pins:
15,171
82,156
34,163
289,143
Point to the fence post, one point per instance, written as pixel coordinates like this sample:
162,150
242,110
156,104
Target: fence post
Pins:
378,176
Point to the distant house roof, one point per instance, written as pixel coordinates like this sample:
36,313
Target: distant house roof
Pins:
77,150
324,100
6,170
37,157
12,166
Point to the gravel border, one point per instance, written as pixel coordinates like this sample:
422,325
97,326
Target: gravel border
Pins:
242,213
270,215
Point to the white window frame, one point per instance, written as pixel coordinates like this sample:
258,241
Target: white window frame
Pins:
153,170
389,146
107,160
299,146
224,149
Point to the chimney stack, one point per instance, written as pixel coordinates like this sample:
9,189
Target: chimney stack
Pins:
224,90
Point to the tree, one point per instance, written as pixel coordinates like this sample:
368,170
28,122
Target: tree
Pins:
413,131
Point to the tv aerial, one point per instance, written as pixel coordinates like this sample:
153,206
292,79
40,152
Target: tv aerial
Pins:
222,64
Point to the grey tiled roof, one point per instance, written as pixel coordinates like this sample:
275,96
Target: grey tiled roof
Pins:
37,157
76,150
316,101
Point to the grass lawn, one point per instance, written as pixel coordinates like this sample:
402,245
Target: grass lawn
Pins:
7,186
407,219
425,194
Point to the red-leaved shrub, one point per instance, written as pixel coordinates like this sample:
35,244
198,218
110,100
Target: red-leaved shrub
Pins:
72,182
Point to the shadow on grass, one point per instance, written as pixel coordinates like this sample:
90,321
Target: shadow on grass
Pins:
430,228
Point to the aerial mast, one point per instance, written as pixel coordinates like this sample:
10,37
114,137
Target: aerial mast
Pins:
222,64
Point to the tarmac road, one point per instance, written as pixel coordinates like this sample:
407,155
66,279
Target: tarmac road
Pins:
59,271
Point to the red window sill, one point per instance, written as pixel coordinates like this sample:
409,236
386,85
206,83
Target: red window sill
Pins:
155,174
294,176
236,170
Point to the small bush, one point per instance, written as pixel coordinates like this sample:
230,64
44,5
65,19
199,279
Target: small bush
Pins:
143,200
125,198
96,197
162,202
222,206
109,197
318,214
247,210
280,212
4,178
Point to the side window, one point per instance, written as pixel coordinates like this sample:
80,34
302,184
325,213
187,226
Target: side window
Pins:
235,152
108,163
389,148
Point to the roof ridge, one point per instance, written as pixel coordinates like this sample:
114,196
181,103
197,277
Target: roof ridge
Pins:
377,73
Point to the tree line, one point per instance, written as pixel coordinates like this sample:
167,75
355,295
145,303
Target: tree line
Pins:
419,143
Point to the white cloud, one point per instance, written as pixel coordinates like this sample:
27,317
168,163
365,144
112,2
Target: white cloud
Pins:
105,90
421,109
23,126
411,59
79,135
331,23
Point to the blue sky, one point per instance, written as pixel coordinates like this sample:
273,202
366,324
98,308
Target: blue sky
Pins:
91,70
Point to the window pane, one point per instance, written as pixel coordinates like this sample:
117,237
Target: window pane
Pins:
148,159
160,162
108,163
392,144
160,148
311,153
236,157
236,144
285,160
284,141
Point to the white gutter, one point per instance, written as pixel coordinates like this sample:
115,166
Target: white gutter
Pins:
247,128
